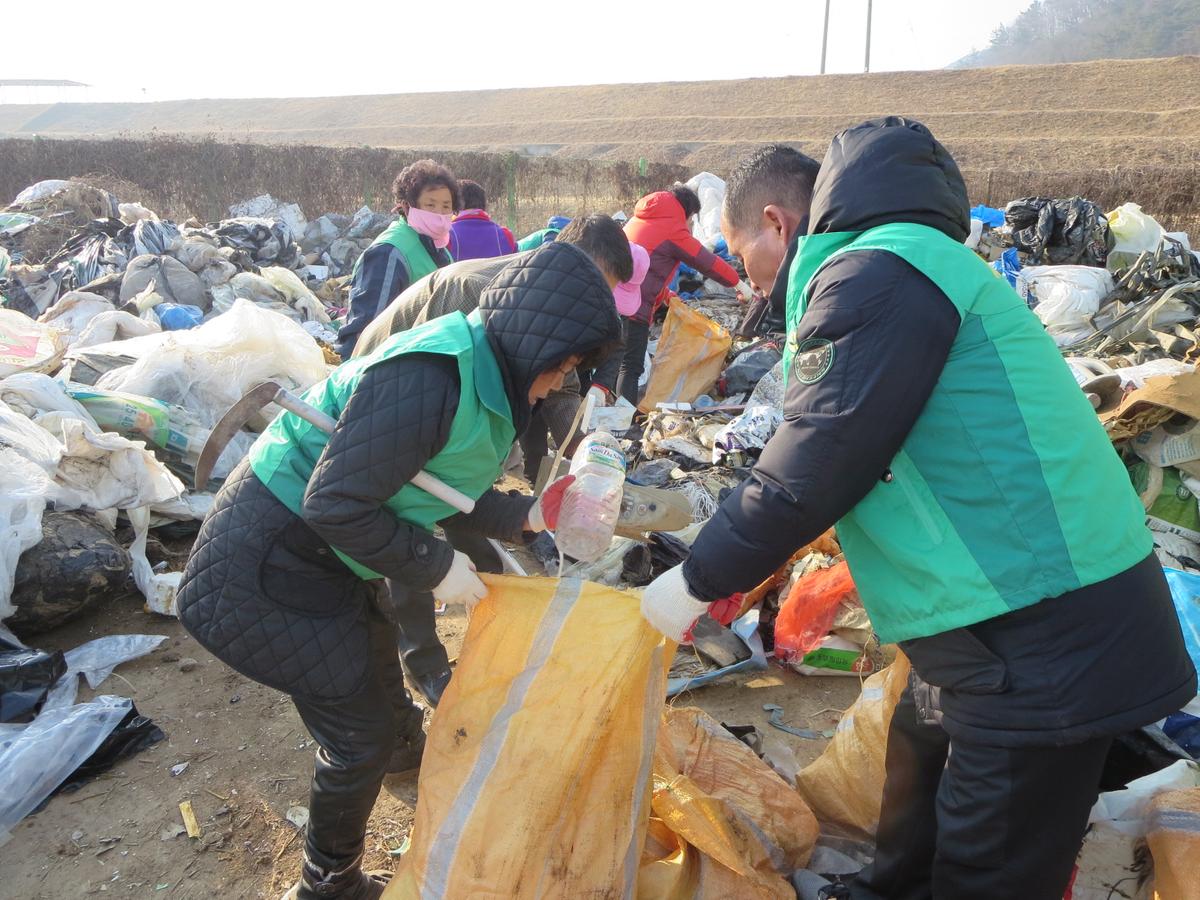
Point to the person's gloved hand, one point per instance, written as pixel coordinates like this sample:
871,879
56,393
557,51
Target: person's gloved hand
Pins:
669,606
461,584
600,394
745,291
543,514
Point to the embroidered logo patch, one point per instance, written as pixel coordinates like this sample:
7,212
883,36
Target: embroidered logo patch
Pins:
814,359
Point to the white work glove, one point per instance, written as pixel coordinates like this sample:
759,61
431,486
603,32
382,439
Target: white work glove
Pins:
669,606
461,584
745,291
599,394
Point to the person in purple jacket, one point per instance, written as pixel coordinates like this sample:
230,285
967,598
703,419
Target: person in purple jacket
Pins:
474,235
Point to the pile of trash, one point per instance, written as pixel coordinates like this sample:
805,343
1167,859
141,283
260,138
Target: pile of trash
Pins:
121,346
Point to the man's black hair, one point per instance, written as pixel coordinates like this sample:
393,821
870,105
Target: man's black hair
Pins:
603,239
473,194
773,175
687,199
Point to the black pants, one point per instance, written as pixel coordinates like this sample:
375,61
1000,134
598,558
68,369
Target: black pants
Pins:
962,820
356,736
629,363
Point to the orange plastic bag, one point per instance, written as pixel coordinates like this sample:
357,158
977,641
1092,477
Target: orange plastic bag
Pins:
690,357
708,788
845,785
1174,841
807,614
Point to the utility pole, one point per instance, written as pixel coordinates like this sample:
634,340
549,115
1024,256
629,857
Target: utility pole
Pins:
867,60
825,37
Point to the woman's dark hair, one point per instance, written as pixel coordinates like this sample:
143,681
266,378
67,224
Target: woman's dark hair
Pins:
473,194
603,239
415,178
687,199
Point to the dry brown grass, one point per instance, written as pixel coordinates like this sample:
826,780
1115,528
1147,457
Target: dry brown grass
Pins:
1114,130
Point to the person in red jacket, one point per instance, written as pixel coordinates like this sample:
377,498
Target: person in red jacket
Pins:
660,225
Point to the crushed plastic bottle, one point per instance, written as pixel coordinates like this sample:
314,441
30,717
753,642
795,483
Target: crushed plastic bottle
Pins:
593,502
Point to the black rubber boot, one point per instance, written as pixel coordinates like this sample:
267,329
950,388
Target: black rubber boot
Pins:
431,686
406,756
349,883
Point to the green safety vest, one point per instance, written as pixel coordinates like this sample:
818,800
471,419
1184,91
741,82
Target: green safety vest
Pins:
480,439
404,238
1007,490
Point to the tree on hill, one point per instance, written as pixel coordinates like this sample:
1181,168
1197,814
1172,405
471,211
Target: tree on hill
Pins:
1053,31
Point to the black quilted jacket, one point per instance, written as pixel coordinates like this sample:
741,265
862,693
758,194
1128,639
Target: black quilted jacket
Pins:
263,591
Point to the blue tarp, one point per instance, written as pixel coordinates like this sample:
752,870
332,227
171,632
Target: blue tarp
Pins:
993,218
1008,265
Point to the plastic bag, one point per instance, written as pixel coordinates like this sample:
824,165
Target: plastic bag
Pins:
178,317
689,359
747,434
1126,810
1009,265
1066,296
540,753
172,280
807,613
26,677
28,346
1171,507
1173,835
159,588
265,206
208,369
708,786
96,660
1135,232
36,758
114,326
844,787
151,236
299,297
1185,592
73,312
23,490
711,191
748,369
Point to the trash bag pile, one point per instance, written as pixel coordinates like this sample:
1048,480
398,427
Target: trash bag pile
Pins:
124,338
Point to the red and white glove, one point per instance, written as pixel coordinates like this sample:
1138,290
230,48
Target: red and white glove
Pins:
668,605
461,584
601,395
543,515
745,292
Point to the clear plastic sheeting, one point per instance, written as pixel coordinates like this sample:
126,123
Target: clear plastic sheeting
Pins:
36,758
207,369
95,661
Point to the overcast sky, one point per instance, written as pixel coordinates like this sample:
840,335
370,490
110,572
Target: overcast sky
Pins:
214,48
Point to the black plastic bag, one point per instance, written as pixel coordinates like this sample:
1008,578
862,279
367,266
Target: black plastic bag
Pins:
135,734
1060,232
26,676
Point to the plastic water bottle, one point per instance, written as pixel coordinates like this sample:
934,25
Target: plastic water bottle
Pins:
593,501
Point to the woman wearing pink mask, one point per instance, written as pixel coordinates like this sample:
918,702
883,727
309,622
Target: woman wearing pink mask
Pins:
427,197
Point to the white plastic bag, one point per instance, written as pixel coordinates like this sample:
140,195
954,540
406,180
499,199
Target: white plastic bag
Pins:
711,191
73,311
28,346
1125,810
299,297
23,490
1135,232
207,369
36,758
159,589
1067,296
115,325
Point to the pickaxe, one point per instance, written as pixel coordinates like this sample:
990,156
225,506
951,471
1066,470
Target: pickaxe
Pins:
271,392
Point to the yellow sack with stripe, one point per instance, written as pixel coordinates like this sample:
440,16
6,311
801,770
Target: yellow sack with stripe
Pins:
536,780
690,357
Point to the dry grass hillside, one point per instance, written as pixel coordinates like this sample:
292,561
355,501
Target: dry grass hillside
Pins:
1074,116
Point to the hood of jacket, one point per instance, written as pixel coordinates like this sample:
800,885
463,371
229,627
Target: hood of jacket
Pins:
889,170
660,205
545,306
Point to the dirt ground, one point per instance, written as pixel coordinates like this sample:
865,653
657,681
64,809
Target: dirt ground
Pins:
249,761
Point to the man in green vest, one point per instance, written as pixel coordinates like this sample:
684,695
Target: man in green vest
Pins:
285,580
990,527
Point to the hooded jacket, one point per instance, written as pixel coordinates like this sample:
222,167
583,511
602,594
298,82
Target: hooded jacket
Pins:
877,335
263,589
660,226
475,236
